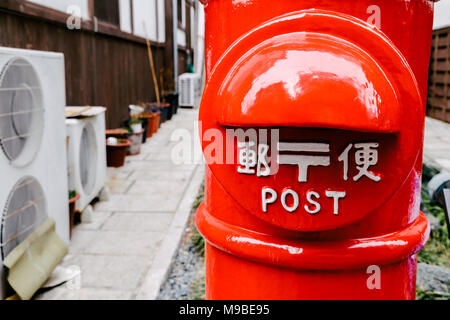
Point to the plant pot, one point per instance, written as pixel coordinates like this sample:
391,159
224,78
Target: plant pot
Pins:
147,120
116,154
172,99
117,133
156,121
163,108
72,203
135,143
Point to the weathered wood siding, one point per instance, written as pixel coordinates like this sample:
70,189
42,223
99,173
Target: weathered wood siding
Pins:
439,84
101,69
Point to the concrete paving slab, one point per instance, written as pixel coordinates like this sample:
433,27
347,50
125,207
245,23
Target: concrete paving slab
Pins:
116,173
84,294
174,176
158,166
81,239
52,294
138,203
159,157
119,186
444,163
148,187
122,243
437,144
99,219
110,272
139,222
139,157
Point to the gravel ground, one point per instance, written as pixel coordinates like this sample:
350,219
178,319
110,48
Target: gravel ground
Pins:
434,279
186,279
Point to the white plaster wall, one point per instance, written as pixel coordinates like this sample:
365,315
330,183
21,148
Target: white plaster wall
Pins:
64,5
125,15
199,65
201,20
193,27
181,34
161,21
145,11
181,37
442,14
183,14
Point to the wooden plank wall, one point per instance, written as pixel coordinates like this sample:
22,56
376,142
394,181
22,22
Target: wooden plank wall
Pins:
100,69
439,82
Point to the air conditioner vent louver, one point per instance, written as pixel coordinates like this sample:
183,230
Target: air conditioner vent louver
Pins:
21,110
190,88
88,158
24,212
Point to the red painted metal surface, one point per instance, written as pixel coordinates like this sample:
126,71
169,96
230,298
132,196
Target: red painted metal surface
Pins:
323,75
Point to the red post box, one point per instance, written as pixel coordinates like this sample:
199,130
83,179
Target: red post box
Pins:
321,107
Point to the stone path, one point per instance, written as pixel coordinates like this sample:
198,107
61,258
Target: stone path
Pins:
437,144
127,251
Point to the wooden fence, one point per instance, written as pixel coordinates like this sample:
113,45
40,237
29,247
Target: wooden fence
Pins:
107,68
439,82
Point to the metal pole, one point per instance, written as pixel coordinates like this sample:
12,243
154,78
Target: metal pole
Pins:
175,43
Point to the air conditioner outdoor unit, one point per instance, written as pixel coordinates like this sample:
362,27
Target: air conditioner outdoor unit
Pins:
190,88
33,158
87,156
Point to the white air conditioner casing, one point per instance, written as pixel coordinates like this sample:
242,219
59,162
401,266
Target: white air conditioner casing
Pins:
33,157
87,155
190,89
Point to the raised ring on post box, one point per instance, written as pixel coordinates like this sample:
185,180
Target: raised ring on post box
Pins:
347,110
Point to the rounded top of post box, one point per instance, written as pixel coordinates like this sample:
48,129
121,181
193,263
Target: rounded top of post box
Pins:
308,79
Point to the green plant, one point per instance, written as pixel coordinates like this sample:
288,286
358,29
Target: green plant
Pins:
436,251
130,122
72,194
128,129
134,120
197,240
200,198
428,173
197,289
428,295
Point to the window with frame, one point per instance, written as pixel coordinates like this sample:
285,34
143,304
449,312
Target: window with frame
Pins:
180,13
107,11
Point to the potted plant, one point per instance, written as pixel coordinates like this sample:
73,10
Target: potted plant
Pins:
119,133
135,133
155,122
163,108
73,198
172,99
116,151
135,124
